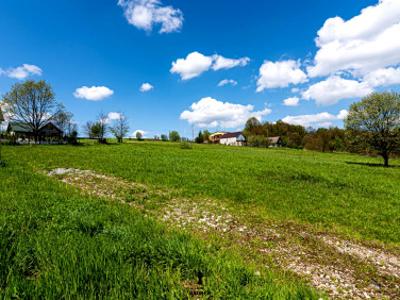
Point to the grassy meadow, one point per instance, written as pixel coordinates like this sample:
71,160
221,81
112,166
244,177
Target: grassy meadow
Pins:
58,242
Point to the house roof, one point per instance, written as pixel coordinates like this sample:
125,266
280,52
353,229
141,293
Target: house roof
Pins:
18,127
274,139
231,135
217,133
24,127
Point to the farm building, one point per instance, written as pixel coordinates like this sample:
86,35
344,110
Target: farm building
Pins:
232,139
275,141
214,138
22,133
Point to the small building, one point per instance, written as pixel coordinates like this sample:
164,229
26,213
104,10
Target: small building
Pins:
232,139
215,137
274,141
49,133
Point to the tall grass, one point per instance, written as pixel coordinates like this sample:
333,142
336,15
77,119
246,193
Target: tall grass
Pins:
58,244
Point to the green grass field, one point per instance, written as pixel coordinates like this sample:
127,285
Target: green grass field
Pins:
57,241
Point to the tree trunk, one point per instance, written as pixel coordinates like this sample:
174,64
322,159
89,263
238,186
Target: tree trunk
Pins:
385,159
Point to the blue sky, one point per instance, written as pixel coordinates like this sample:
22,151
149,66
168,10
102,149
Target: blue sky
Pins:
270,46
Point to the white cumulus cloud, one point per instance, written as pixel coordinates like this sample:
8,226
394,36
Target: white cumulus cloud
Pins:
144,14
383,77
192,66
22,72
364,43
146,87
197,63
142,132
209,112
280,74
292,101
334,89
111,116
226,82
323,119
221,62
94,93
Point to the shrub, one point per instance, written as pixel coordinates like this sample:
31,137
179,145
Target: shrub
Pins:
186,145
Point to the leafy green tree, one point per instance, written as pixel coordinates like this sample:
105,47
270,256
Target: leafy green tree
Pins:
374,122
174,136
200,138
139,136
98,130
32,103
164,137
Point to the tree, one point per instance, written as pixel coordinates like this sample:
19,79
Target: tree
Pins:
139,136
253,127
32,103
97,130
174,136
164,137
375,123
120,128
200,138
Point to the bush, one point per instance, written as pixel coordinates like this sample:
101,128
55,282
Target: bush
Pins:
186,145
174,136
257,141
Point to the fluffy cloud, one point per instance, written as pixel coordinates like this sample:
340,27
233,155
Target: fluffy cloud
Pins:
334,89
143,133
22,72
111,116
197,63
226,82
364,43
192,66
383,77
323,119
146,87
221,62
209,112
280,74
144,14
292,101
94,93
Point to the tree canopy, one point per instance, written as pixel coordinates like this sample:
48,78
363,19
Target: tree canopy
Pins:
374,124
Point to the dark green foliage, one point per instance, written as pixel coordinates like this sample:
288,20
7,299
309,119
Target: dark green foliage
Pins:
174,136
200,138
292,135
325,140
257,141
164,137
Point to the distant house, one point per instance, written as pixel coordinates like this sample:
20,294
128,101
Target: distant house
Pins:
274,141
232,139
49,133
215,137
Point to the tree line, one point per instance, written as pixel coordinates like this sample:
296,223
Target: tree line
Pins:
372,127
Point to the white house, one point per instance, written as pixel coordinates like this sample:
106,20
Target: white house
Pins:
232,139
